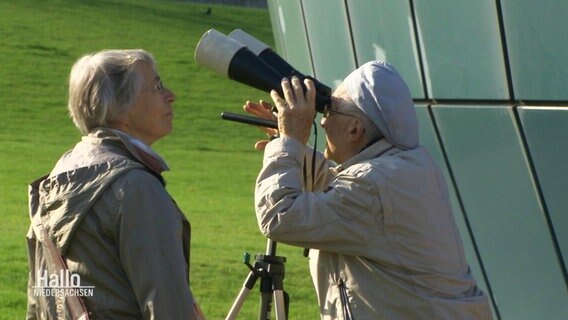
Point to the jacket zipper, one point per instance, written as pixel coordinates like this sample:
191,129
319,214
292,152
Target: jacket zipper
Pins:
347,313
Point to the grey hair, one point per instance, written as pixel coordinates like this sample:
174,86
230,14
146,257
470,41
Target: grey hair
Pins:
104,85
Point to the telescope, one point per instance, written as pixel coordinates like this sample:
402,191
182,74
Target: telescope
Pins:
245,59
266,54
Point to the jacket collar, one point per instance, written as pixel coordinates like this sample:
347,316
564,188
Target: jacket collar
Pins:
374,150
140,151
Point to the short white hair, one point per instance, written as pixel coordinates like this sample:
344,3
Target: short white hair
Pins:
103,85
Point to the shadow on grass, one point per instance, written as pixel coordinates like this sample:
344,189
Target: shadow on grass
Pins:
41,50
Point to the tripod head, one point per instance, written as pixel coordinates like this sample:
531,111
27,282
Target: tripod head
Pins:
270,269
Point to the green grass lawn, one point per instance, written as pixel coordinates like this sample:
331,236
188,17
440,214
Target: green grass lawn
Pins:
213,162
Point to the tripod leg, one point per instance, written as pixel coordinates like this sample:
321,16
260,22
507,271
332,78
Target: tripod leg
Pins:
265,306
237,305
240,300
280,305
265,297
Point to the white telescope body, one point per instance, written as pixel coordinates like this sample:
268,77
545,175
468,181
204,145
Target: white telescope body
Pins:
254,45
215,51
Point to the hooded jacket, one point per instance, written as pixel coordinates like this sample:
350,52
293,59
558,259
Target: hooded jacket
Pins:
385,243
105,208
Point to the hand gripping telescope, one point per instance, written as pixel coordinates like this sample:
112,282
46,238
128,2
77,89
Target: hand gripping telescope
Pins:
243,58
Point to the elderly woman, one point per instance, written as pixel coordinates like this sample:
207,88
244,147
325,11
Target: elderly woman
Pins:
106,239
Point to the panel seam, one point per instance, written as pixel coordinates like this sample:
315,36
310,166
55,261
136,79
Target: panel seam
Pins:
308,38
485,102
502,33
355,58
417,41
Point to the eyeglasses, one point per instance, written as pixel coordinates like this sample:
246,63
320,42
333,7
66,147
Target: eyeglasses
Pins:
159,87
329,111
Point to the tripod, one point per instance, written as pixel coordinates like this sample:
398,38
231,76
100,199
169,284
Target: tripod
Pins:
270,269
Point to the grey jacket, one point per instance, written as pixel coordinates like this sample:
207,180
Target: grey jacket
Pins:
385,243
105,207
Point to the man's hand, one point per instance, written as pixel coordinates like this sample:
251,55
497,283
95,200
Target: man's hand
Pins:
261,110
296,111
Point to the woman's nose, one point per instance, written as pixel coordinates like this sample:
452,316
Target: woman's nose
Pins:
170,96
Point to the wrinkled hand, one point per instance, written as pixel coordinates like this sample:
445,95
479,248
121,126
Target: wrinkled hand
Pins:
261,110
296,111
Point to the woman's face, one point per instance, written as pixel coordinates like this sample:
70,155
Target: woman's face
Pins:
151,116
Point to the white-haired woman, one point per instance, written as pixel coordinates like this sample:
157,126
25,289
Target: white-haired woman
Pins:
103,217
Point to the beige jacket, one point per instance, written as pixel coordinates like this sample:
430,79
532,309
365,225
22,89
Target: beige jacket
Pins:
385,243
105,207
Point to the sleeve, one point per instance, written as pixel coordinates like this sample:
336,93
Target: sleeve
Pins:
338,219
151,250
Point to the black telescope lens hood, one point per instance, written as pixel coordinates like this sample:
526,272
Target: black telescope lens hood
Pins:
247,68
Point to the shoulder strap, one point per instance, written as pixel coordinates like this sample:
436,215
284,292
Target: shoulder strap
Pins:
74,303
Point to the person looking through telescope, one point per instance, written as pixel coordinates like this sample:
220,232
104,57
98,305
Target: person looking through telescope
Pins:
384,243
103,214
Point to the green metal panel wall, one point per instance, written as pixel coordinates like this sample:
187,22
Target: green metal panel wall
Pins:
429,139
275,11
537,41
461,49
500,199
330,40
384,30
480,72
546,131
290,33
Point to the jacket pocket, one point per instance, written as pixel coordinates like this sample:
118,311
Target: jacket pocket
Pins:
345,306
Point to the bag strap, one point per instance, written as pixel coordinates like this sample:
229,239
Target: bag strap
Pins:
74,303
